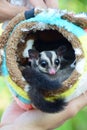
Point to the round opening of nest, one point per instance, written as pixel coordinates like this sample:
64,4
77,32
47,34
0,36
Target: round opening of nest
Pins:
40,38
45,40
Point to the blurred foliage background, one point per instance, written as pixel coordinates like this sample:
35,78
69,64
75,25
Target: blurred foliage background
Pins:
73,5
79,121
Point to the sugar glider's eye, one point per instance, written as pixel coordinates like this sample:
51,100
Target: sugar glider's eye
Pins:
43,63
57,62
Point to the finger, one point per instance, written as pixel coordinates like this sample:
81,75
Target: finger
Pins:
52,4
11,113
38,3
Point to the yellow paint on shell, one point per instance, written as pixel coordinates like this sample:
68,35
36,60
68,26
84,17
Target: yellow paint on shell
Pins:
65,94
83,40
18,89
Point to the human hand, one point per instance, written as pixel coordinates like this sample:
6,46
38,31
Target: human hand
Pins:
8,11
52,4
37,120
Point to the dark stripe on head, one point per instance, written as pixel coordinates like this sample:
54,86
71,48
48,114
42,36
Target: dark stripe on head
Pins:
49,55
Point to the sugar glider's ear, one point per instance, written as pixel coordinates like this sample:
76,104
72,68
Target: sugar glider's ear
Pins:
61,50
33,54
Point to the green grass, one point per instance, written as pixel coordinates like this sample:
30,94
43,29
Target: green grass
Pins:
74,5
5,96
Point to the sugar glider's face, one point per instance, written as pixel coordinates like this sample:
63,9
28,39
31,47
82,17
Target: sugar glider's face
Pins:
48,62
